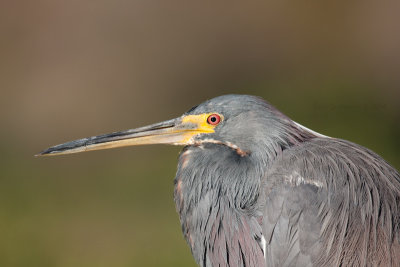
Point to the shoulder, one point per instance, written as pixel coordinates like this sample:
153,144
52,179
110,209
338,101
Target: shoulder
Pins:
325,162
332,192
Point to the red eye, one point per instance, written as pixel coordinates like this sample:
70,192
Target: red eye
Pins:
213,119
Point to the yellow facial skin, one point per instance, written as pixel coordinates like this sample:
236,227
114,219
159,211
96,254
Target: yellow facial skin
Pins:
203,127
177,132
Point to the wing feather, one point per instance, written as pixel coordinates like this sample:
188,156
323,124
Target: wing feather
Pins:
329,202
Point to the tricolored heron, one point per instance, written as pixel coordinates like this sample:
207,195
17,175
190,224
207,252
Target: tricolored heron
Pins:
254,188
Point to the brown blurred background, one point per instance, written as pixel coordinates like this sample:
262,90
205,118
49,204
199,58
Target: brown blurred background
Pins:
71,69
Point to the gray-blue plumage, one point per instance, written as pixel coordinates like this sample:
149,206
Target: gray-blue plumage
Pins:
330,202
264,191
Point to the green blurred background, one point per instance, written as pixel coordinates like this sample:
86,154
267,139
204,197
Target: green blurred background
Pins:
71,69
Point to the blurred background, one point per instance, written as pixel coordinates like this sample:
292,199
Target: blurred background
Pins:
71,69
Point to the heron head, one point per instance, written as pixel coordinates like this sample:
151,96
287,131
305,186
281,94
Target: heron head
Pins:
242,122
239,121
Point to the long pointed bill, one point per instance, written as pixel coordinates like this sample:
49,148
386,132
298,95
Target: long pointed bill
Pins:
179,131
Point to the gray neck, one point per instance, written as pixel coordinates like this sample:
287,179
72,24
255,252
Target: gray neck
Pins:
217,204
217,200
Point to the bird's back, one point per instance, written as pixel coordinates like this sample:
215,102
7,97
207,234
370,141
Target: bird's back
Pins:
329,202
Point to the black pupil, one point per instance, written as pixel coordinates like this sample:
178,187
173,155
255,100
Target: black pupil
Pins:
213,119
